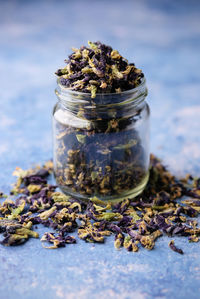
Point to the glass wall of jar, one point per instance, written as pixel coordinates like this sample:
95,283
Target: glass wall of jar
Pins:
101,145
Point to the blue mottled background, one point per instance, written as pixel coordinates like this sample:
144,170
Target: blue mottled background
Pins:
162,38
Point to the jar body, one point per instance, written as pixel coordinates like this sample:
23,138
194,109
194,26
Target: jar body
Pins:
102,151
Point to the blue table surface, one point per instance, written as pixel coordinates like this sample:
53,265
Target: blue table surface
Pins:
163,39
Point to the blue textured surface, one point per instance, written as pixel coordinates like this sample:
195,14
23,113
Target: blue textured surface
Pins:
162,38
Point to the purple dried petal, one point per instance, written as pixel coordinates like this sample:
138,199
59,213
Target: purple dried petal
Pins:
114,228
178,229
43,173
125,221
33,179
192,194
163,198
132,234
64,82
179,211
190,211
174,248
169,229
70,240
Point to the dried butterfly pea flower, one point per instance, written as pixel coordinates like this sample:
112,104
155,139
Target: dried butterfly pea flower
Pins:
33,188
46,214
90,233
193,238
97,201
60,197
58,241
8,225
114,228
119,240
15,233
134,215
2,195
14,239
94,176
109,216
107,71
130,245
26,231
18,210
174,248
155,212
35,175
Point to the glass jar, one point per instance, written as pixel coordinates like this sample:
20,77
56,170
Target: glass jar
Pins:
101,144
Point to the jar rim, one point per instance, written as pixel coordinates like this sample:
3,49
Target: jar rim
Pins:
99,95
128,98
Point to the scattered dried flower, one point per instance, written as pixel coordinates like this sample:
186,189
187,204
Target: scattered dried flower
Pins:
137,223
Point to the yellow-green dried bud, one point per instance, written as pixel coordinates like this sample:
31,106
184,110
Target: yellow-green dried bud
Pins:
77,54
59,196
93,90
75,205
92,46
109,216
128,69
26,231
117,243
17,211
116,73
194,238
127,241
98,201
45,215
81,138
87,70
33,188
115,54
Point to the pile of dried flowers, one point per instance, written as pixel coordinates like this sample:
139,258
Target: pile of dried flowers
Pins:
168,206
98,69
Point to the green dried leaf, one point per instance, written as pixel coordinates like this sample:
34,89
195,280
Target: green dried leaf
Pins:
135,216
81,138
98,201
109,216
131,143
17,211
94,175
60,197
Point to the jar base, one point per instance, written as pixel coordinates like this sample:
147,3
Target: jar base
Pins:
131,194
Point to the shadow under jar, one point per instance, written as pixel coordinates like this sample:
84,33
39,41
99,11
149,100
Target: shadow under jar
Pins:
101,144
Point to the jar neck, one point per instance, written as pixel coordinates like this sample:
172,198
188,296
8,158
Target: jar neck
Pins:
104,105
